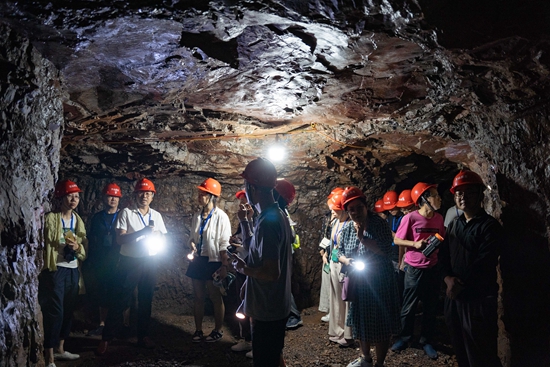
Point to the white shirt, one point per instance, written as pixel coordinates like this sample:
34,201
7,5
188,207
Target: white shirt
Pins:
215,236
451,214
132,221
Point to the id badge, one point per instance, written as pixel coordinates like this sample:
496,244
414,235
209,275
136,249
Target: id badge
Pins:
334,255
326,268
324,243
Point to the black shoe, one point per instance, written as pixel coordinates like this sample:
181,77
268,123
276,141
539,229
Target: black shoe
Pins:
95,332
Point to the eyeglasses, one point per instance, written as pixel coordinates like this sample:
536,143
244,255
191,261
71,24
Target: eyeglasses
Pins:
461,194
146,193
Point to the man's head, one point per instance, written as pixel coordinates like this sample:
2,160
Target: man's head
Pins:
424,194
355,204
260,177
144,191
111,195
468,190
405,202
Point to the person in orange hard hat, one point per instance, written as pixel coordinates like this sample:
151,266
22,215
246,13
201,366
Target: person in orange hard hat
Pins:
469,258
103,254
140,232
209,239
379,209
59,282
421,277
406,205
394,219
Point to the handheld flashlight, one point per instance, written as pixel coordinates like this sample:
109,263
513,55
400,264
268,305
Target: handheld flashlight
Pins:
191,255
239,314
358,265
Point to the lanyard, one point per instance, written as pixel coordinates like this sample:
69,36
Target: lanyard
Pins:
393,227
110,226
63,222
335,238
204,223
141,217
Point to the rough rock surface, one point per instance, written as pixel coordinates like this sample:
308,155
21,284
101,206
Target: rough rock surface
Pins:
30,139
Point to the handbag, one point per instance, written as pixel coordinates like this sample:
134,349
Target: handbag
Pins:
349,287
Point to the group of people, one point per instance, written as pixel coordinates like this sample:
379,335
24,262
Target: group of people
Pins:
391,243
407,251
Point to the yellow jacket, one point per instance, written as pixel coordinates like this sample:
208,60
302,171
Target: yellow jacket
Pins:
52,236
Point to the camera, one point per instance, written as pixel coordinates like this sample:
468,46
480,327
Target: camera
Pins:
68,253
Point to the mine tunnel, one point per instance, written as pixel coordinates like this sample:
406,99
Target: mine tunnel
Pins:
379,95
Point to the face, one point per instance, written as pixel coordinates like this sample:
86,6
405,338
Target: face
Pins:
357,211
434,199
144,198
382,215
394,211
250,190
242,199
467,197
336,213
203,198
70,201
112,201
407,210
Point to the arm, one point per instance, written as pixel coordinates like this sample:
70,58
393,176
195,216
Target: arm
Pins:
125,238
269,271
453,283
419,245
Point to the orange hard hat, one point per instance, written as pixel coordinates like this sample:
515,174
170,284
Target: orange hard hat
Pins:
112,189
351,193
286,189
419,189
330,204
336,190
405,200
211,186
466,178
336,201
390,200
145,185
239,194
260,172
379,206
65,187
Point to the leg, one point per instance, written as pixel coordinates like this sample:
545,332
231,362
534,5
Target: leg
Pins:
410,301
50,297
429,284
217,300
69,303
381,350
199,292
268,339
146,288
453,319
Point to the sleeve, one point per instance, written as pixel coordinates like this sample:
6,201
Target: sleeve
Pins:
269,238
225,232
193,235
382,235
347,235
246,233
160,225
403,230
122,221
81,239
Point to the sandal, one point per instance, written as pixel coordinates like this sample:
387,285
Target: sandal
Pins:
197,337
214,336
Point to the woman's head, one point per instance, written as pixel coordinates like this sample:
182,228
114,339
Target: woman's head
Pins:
68,194
355,204
209,191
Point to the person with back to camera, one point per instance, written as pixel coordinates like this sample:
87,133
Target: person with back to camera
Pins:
59,282
374,313
268,266
209,239
140,232
468,260
421,277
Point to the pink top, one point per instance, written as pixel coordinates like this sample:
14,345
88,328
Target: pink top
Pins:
415,227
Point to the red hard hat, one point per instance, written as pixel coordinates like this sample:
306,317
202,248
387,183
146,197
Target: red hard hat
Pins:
419,189
336,190
286,189
336,202
330,204
65,187
390,200
145,185
466,178
112,189
240,194
351,193
211,186
379,206
260,172
405,199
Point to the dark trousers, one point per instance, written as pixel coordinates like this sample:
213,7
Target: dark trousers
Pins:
57,295
132,272
473,328
420,285
268,341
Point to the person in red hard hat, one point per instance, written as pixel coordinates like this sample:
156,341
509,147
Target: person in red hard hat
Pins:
209,239
103,253
59,282
421,277
379,209
469,259
268,265
140,233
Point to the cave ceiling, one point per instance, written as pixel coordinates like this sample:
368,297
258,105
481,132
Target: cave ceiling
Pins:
162,88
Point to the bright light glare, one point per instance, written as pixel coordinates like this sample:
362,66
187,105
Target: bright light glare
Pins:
276,153
359,265
191,256
155,243
240,315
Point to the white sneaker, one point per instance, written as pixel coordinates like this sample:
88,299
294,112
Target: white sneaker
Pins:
51,365
65,356
242,346
249,355
325,318
360,362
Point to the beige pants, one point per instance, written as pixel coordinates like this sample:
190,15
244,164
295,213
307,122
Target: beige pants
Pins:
338,308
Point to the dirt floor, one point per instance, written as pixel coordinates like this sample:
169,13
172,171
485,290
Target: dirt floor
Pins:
306,346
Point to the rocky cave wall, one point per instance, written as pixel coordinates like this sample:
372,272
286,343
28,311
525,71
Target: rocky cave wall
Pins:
30,139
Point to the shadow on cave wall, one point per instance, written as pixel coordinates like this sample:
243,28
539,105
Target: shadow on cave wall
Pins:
525,269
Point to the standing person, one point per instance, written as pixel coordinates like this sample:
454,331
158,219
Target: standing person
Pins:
337,330
452,213
406,204
209,239
379,209
421,278
64,246
103,253
374,314
138,228
394,219
469,258
268,267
